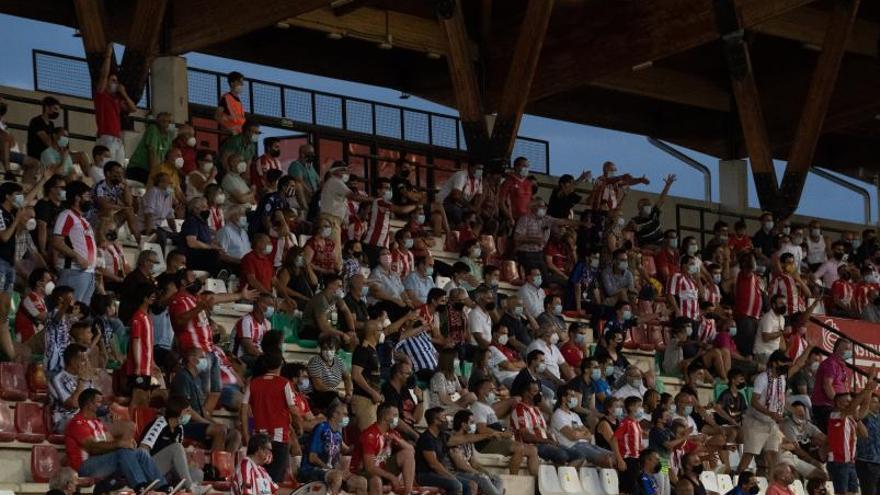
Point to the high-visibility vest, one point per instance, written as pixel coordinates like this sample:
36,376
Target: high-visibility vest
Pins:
236,113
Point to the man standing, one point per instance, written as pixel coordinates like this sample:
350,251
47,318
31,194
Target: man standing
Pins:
304,172
334,203
531,235
461,193
250,329
110,101
230,111
844,427
74,242
515,193
140,366
832,377
761,421
747,304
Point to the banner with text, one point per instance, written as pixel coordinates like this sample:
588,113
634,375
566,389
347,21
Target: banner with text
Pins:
863,332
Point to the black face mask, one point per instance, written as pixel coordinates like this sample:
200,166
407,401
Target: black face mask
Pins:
458,306
490,306
274,153
404,173
755,490
657,468
195,287
54,115
309,158
697,469
157,308
204,215
111,236
538,398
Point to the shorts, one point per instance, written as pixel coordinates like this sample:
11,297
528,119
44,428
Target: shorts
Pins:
197,432
140,382
364,411
7,276
802,467
230,397
759,436
843,477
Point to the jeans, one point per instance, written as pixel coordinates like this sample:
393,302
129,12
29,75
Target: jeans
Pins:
83,283
451,486
135,465
869,477
211,377
588,451
488,484
172,459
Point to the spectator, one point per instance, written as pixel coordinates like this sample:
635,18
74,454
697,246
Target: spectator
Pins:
376,446
163,439
432,457
267,162
56,335
557,370
325,313
417,341
250,476
326,373
402,258
532,295
230,111
587,296
868,449
771,328
406,397
151,149
295,280
551,317
529,427
446,390
647,222
250,329
827,272
74,243
198,179
421,280
256,266
764,240
747,305
747,484
158,206
783,477
386,289
788,284
649,470
233,236
320,250
41,128
93,454
563,198
332,204
608,191
322,461
234,182
628,435
461,193
515,193
185,143
799,434
533,229
570,433
518,323
111,100
365,374
47,210
215,199
833,377
171,165
504,362
683,289
761,423
305,173
634,385
66,386
242,146
591,386
32,311
464,462
115,268
817,249
731,404
269,398
617,280
142,274
140,365
197,240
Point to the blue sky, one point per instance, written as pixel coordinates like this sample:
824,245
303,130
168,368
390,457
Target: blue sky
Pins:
573,147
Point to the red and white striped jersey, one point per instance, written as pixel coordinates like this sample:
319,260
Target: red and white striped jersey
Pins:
629,438
843,291
707,331
684,288
356,227
861,293
25,318
248,327
114,259
748,295
78,235
270,398
785,285
280,247
140,349
227,374
378,228
197,331
841,438
796,346
265,164
712,294
252,479
215,218
525,418
605,194
402,262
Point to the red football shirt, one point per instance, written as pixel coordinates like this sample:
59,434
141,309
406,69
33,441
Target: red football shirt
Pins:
372,442
107,114
197,331
270,398
572,353
519,191
78,431
260,266
140,350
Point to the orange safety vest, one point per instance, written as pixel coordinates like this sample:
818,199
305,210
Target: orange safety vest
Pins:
236,113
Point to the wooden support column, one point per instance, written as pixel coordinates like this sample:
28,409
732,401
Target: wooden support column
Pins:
518,83
141,47
748,103
463,74
91,20
816,106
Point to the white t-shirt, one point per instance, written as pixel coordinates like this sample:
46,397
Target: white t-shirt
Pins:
816,251
769,323
552,356
483,413
532,298
334,198
773,399
560,420
479,322
461,180
497,357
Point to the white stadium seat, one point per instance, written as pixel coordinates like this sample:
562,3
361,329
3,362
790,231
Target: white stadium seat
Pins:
548,481
762,485
570,482
725,483
710,481
609,481
590,481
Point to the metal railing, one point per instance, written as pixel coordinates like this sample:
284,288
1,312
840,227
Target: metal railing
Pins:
840,335
297,108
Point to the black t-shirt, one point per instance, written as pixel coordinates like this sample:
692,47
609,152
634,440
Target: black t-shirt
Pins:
7,249
47,211
404,401
35,145
159,434
357,307
367,358
560,205
522,380
765,242
517,328
429,443
399,185
734,405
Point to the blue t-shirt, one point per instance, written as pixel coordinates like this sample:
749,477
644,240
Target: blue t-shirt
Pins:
869,447
326,443
647,484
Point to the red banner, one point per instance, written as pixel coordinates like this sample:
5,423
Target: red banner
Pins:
863,332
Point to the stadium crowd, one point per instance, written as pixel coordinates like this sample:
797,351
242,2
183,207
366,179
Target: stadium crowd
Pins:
523,350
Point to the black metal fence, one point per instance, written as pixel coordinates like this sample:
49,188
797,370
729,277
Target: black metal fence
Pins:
64,74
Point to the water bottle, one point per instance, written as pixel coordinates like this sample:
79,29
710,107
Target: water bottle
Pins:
232,284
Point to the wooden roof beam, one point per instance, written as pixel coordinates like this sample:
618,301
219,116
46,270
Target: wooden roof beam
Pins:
591,40
91,19
809,25
819,97
141,46
669,85
197,24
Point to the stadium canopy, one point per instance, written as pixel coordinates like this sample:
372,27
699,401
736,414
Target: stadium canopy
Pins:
794,80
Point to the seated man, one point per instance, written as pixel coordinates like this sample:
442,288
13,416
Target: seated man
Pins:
93,453
495,439
250,476
432,457
323,459
66,386
372,456
163,439
529,426
322,314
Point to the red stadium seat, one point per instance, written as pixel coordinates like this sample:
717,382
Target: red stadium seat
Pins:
142,417
104,383
37,382
45,462
54,438
196,457
7,423
510,272
29,423
222,462
451,243
13,385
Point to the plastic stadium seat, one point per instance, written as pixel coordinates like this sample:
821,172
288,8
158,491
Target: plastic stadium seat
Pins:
590,480
762,485
725,483
609,481
709,480
104,382
142,417
451,242
798,487
29,423
510,273
222,462
548,481
829,487
7,423
13,385
45,462
38,384
215,285
570,482
54,438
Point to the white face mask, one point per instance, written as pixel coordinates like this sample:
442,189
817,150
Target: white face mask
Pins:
191,142
267,249
541,212
241,167
219,199
49,288
646,210
328,354
325,232
206,167
554,338
381,338
502,339
178,162
31,224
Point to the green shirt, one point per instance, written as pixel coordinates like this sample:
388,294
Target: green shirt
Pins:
305,173
152,141
237,144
